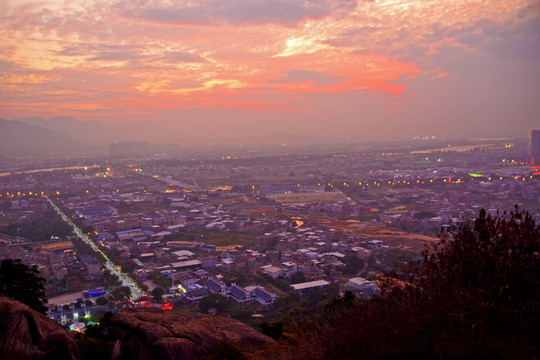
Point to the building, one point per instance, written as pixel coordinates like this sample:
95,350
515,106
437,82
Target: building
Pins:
535,146
196,292
309,287
290,268
239,294
184,265
216,287
96,212
261,295
363,286
535,151
273,271
307,198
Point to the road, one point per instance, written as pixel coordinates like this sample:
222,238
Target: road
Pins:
136,292
192,187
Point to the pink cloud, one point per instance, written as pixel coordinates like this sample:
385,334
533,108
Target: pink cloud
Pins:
440,75
135,58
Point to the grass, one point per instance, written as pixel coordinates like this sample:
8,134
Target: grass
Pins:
395,258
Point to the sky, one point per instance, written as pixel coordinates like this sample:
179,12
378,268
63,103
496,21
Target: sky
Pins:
221,68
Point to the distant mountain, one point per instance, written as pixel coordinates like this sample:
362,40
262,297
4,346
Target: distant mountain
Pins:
18,139
92,132
180,132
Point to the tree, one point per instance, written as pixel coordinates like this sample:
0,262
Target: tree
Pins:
298,277
128,267
423,214
87,229
213,301
353,264
121,292
157,293
101,301
23,283
161,280
111,279
491,263
474,295
273,328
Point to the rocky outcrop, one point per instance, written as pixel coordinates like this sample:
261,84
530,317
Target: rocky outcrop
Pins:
158,334
27,334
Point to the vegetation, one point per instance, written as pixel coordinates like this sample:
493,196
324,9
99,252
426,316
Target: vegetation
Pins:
157,293
161,280
353,265
41,229
474,295
97,341
214,301
121,292
101,301
23,283
111,279
85,249
423,214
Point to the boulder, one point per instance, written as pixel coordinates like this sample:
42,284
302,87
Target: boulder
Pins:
158,334
27,334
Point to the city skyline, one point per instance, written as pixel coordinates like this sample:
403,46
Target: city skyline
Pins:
239,68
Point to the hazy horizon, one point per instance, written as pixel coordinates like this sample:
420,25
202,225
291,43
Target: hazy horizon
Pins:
218,70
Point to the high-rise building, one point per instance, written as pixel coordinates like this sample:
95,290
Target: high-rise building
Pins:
535,147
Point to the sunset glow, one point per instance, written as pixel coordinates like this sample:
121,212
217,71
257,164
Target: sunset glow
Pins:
118,61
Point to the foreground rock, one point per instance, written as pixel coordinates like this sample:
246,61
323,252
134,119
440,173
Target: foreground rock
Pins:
27,334
158,334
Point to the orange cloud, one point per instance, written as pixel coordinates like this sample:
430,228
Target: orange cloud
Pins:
440,75
122,57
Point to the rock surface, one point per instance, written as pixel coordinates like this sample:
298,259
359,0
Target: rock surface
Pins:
27,334
158,334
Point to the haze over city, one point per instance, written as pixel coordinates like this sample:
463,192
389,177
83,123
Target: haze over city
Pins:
269,179
206,71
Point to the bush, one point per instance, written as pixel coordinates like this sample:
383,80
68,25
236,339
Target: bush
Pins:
474,295
101,301
215,301
157,293
23,283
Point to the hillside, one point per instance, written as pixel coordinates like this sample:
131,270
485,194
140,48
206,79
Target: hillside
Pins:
18,139
92,132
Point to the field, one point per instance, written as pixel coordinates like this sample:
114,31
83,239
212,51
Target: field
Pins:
220,239
393,237
63,245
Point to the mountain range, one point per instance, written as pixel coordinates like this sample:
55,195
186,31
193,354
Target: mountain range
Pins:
92,132
20,139
64,135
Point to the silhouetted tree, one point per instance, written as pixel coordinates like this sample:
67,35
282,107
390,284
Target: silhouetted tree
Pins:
475,294
23,283
215,301
128,267
101,301
121,292
157,293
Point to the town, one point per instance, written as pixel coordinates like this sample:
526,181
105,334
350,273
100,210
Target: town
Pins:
243,232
